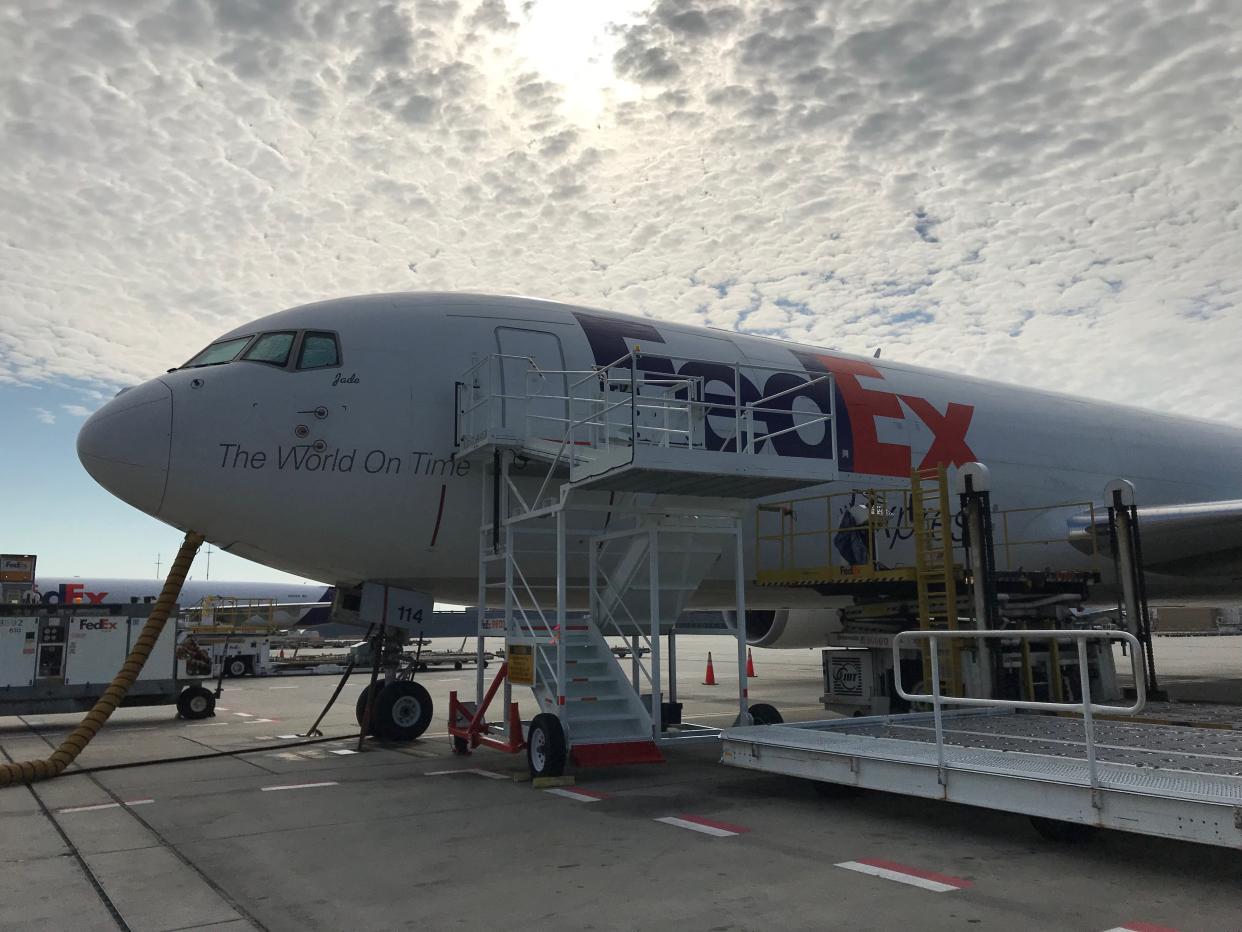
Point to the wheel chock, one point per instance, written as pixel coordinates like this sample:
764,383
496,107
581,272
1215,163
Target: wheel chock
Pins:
543,783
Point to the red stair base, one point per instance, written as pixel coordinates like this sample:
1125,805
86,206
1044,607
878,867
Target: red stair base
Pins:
615,753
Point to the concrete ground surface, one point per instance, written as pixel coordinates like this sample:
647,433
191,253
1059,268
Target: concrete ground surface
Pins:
414,837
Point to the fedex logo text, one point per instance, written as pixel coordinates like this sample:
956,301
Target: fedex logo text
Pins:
100,625
72,594
857,406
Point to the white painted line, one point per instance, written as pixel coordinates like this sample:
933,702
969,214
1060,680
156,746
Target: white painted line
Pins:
343,751
90,808
139,802
207,724
297,786
490,774
261,737
576,795
243,715
937,883
259,721
221,708
287,737
1141,927
695,826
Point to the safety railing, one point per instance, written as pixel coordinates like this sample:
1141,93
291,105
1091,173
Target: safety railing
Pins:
1028,534
855,535
1085,706
604,413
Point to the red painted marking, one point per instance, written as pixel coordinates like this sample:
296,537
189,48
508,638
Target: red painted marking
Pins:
915,872
712,823
614,753
865,405
949,447
439,515
1146,927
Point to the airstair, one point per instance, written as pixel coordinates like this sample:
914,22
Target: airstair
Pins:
609,496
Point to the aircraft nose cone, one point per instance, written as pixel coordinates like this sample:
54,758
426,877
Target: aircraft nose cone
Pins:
125,445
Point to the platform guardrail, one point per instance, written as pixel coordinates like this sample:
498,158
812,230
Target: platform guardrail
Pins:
1085,707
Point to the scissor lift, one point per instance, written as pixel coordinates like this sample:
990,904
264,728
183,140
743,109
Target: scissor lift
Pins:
607,500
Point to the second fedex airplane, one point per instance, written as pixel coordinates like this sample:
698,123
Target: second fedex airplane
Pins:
322,440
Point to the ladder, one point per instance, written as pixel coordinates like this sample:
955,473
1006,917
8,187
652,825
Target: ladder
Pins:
935,575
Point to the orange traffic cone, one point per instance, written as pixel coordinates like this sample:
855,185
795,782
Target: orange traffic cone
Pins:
750,665
709,679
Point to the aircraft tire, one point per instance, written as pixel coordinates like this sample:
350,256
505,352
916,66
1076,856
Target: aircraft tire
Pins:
403,711
547,751
1063,833
360,707
196,702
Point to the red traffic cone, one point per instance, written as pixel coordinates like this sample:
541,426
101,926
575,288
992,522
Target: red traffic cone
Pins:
750,665
709,679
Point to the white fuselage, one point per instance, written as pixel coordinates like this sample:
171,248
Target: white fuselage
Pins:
350,472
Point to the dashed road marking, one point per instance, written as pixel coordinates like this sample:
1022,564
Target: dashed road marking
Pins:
243,714
259,721
582,796
706,826
1141,927
288,737
128,802
297,786
902,873
342,751
490,774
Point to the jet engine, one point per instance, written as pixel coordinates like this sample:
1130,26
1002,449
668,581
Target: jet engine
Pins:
792,627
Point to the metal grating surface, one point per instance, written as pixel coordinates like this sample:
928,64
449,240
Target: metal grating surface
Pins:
1200,764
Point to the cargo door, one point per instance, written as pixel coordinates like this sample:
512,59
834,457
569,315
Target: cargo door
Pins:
96,648
533,385
159,665
19,639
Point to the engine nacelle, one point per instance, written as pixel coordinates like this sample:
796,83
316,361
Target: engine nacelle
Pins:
792,627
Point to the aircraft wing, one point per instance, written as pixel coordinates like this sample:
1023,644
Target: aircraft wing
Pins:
1200,539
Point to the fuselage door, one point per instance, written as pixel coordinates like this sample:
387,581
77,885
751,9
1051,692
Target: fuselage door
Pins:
533,383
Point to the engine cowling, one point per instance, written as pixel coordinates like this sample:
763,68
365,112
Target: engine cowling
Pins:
792,627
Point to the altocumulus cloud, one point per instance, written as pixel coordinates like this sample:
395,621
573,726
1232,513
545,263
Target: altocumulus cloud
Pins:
1038,192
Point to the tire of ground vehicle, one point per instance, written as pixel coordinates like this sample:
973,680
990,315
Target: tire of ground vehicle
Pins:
360,707
1063,833
235,666
547,752
403,711
196,702
762,714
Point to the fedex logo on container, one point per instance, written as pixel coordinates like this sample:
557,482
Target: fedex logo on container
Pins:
857,406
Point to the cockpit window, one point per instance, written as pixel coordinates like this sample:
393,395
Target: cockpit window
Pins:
218,353
318,351
272,348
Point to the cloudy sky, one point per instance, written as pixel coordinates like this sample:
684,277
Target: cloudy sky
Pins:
1045,193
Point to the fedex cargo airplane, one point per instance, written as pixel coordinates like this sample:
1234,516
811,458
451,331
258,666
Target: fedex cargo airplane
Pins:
58,590
321,441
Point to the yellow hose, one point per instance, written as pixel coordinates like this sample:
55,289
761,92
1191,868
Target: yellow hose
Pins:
32,770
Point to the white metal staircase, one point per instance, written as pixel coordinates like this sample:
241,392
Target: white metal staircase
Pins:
620,512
